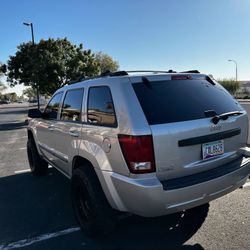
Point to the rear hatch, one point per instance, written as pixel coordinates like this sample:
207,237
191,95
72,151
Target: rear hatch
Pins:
196,124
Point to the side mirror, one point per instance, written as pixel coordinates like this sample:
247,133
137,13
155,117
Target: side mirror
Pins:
35,113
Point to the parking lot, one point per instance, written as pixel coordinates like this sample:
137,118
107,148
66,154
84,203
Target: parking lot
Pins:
35,212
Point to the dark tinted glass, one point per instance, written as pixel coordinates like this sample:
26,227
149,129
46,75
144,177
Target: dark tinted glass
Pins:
52,108
182,100
71,109
100,107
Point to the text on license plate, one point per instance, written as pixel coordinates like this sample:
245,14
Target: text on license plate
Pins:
212,149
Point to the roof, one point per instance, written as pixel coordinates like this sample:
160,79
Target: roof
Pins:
133,75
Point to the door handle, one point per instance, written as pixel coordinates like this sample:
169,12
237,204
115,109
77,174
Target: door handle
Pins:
74,133
51,127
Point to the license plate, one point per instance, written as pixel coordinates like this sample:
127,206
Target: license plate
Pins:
212,149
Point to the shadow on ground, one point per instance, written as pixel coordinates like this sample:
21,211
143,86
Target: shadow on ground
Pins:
31,206
13,125
13,111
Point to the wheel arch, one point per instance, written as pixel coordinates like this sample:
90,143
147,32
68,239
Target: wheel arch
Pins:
79,161
30,134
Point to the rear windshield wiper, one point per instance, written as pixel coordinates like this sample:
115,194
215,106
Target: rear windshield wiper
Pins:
225,116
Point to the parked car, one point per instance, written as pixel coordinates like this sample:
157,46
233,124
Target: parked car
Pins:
149,144
5,101
33,101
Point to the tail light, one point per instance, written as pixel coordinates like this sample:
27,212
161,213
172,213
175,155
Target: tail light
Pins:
138,152
181,77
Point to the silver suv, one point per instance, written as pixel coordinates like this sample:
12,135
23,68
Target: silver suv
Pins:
147,143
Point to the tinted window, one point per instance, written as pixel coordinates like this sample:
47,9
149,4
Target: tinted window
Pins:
71,109
100,107
53,106
182,100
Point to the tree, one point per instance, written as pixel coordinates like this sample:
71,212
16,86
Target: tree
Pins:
2,71
230,85
2,88
30,93
50,64
10,96
106,63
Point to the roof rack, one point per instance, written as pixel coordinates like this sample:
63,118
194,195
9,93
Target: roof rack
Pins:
191,71
126,73
151,71
103,74
116,73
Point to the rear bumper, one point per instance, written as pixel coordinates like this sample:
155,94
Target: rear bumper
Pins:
148,197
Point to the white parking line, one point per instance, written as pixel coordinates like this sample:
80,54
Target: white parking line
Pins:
13,140
22,171
30,241
22,148
19,138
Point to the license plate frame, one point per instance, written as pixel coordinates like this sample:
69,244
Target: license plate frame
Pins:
212,149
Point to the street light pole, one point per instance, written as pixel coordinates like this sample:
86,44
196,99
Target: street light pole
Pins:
33,42
236,70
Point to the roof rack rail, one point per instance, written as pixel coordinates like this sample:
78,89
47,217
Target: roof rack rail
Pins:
151,71
103,74
126,73
116,73
191,71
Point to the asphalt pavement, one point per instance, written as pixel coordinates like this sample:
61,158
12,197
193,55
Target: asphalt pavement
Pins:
36,213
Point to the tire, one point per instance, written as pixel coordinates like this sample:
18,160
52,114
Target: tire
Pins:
38,166
92,210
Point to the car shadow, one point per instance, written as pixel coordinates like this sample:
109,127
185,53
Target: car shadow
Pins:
13,125
13,111
31,206
165,232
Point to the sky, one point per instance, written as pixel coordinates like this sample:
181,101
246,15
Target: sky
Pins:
139,34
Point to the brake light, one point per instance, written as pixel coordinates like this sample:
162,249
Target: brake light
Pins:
138,152
181,77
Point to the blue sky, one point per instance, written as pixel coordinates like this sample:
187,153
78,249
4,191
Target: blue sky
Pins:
177,34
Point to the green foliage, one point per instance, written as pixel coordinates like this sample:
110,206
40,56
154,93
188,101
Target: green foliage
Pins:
29,92
3,69
230,85
106,62
2,88
50,64
10,96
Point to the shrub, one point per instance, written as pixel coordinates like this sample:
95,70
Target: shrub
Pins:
230,85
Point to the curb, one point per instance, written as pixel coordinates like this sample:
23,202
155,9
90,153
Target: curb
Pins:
243,100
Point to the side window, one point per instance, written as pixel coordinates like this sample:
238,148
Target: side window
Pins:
100,107
71,109
51,110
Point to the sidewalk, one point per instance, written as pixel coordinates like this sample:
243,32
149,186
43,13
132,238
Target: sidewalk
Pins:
243,100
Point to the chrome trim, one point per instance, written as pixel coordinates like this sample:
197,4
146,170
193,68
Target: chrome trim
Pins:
55,153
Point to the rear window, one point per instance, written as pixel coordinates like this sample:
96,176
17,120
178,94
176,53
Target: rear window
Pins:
182,100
